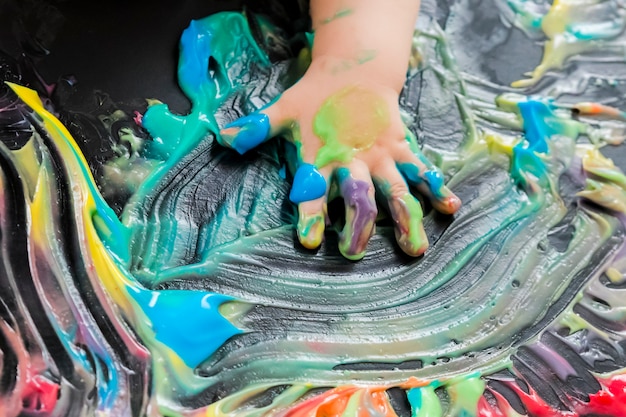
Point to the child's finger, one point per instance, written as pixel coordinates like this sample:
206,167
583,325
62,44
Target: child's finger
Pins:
429,181
311,222
308,184
310,192
405,210
250,131
357,190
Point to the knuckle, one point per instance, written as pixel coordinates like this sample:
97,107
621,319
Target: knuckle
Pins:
398,189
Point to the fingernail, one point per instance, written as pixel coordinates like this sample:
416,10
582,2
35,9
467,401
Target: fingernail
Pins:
311,230
247,132
308,184
449,204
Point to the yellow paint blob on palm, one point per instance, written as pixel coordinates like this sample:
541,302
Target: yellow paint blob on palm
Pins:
348,122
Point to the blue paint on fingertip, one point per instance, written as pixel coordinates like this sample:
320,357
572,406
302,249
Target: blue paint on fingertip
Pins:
435,181
254,129
308,184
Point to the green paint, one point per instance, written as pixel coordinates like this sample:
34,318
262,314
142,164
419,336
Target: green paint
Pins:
348,122
424,402
363,56
414,237
311,229
464,395
354,405
610,174
342,66
518,220
366,55
412,141
227,40
339,14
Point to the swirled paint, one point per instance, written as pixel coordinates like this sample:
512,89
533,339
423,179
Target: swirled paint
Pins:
194,299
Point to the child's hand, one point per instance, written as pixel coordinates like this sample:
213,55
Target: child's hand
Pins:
345,124
344,120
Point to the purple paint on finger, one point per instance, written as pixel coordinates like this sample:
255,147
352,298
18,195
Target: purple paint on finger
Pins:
357,199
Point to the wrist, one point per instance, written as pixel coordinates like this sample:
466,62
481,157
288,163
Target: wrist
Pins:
362,68
368,38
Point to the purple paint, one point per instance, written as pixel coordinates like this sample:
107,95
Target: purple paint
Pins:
560,366
356,195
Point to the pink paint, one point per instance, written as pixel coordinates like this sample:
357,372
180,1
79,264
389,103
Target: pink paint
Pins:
40,394
138,118
609,401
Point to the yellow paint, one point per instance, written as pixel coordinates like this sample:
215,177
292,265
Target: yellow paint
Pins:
109,274
562,43
99,261
349,121
498,144
30,161
614,275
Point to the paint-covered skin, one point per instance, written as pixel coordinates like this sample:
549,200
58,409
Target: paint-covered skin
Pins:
343,114
251,131
353,130
195,301
309,184
361,213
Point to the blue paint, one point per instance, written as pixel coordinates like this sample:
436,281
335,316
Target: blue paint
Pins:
433,177
411,172
108,388
539,123
414,395
196,49
308,184
435,182
224,40
169,131
188,322
166,130
342,174
227,40
254,129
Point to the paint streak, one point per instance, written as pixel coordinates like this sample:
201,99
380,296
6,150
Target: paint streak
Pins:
195,301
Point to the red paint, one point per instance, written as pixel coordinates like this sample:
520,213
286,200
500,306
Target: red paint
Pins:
610,401
484,409
40,394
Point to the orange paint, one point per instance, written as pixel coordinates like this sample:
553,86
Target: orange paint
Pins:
597,109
